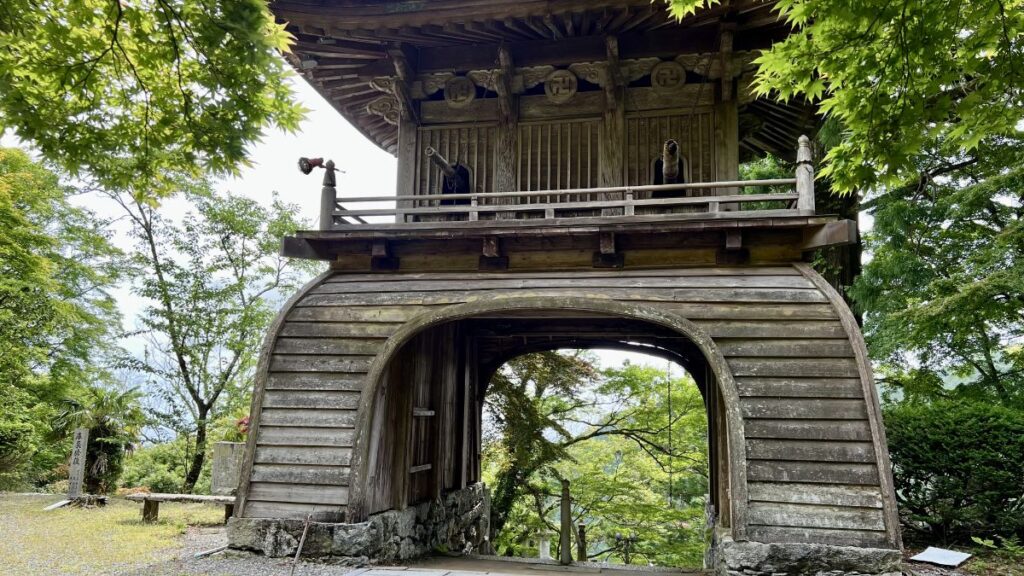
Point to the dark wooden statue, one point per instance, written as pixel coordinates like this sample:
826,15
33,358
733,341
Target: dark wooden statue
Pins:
454,177
668,169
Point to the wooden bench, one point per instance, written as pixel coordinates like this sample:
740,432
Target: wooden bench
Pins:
151,503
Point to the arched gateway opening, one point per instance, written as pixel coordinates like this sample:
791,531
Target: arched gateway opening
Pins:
421,437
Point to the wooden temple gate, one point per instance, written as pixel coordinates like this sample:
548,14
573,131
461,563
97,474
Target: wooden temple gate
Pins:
567,177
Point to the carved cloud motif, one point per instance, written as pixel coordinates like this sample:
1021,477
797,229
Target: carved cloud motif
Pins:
385,107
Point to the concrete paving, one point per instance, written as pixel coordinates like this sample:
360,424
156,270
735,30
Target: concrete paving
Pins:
497,566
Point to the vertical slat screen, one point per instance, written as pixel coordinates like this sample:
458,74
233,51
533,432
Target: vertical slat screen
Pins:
646,133
470,145
558,155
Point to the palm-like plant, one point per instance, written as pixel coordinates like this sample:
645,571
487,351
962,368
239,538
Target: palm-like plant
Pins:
114,418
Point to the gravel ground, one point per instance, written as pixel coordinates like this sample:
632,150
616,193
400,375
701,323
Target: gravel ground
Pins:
228,563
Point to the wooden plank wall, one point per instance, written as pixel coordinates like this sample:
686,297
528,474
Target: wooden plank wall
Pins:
811,467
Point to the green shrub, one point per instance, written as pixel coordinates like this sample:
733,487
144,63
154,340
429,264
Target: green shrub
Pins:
161,468
958,469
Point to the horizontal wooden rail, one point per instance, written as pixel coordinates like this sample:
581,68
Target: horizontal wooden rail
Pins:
334,215
658,202
578,191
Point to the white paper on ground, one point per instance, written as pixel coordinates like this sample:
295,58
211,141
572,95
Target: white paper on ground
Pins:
941,557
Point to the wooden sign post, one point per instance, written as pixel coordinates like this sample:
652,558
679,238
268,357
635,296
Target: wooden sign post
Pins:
76,473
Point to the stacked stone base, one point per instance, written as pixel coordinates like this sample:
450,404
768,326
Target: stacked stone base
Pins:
458,523
759,559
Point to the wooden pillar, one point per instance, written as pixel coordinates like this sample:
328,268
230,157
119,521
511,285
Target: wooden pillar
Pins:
406,181
727,134
611,152
406,379
565,537
328,197
805,176
506,161
465,410
150,511
581,542
447,366
404,59
724,458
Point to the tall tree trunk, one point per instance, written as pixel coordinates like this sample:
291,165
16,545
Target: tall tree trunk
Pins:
199,457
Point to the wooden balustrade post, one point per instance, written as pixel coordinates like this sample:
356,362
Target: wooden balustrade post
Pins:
804,175
474,215
328,197
565,538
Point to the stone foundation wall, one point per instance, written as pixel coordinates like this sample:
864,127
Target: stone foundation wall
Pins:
759,559
458,523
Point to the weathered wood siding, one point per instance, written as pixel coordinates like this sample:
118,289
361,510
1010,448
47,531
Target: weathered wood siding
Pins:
812,468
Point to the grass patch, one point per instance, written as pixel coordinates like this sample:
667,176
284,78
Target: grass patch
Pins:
91,541
987,564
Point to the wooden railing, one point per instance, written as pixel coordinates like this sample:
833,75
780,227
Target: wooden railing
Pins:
625,201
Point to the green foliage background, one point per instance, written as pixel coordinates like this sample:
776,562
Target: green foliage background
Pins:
959,469
57,316
554,416
136,93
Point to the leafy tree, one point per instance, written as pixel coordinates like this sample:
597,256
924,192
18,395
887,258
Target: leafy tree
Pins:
57,317
896,82
619,491
897,77
555,417
132,91
957,469
114,419
211,280
944,290
523,404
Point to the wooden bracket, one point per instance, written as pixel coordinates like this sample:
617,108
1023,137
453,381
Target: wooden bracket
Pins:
839,233
491,259
381,258
405,75
607,256
733,239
